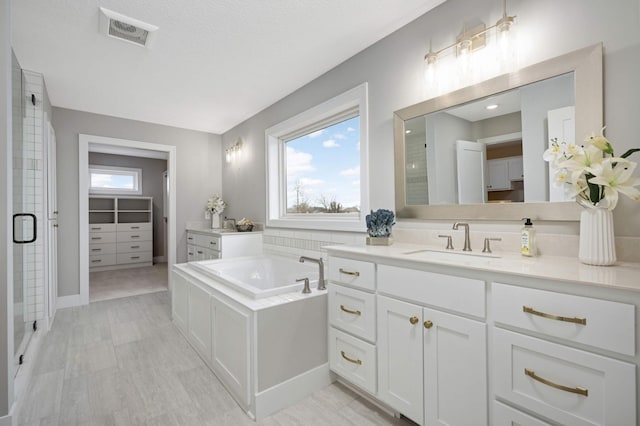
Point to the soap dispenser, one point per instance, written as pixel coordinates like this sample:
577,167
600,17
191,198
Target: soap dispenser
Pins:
528,238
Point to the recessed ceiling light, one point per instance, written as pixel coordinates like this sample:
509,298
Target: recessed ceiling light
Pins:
122,27
492,106
407,131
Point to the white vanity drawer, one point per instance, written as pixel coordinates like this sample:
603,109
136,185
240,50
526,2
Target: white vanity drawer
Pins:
128,236
352,311
102,260
102,227
102,237
353,359
108,248
600,323
135,247
354,273
567,385
209,241
135,257
144,226
464,295
503,415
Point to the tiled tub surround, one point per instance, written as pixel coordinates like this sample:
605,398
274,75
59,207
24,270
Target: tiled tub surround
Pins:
269,352
491,328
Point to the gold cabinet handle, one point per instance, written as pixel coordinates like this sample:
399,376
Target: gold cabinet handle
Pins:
428,324
575,320
355,274
534,376
355,361
414,320
349,311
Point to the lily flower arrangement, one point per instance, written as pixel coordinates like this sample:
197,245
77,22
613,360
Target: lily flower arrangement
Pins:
215,205
595,175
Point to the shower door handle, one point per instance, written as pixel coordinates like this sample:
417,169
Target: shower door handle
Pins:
35,227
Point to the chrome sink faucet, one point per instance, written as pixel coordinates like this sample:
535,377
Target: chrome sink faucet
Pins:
320,263
467,243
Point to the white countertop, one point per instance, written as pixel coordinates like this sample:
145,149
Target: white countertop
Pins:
220,232
622,275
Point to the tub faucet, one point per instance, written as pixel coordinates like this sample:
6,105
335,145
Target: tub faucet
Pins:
467,243
320,263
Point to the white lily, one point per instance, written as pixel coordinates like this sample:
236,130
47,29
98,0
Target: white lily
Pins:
615,175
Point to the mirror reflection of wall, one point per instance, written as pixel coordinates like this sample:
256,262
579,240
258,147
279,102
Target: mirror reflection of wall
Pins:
515,129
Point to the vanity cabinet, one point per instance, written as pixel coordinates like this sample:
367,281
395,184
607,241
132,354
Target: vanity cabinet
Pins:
204,244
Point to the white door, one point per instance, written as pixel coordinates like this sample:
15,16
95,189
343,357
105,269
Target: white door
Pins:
455,370
52,221
562,126
400,357
471,158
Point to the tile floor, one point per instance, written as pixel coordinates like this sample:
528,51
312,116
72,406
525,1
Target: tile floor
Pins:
105,285
122,362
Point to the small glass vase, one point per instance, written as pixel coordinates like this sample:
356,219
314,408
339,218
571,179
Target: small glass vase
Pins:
597,239
215,221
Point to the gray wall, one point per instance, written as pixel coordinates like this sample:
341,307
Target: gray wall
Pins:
394,69
151,187
6,202
198,157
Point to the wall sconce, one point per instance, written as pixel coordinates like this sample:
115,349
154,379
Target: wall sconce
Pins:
234,151
471,40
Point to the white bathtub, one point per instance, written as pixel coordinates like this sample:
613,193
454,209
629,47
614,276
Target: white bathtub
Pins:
260,276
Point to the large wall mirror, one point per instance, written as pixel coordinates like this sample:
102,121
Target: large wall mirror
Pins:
476,153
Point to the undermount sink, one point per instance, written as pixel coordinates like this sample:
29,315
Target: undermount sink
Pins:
451,256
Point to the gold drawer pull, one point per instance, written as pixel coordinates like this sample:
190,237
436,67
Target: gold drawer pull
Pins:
574,320
428,324
355,274
534,376
349,311
414,320
355,361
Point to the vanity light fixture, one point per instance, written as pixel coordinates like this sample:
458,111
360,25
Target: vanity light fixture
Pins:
471,40
234,151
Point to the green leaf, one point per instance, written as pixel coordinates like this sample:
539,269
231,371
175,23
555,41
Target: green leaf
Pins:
594,190
629,152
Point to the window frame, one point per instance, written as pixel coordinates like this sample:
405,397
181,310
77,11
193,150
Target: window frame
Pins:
114,170
315,118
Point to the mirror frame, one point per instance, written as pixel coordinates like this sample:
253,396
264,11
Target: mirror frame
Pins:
586,64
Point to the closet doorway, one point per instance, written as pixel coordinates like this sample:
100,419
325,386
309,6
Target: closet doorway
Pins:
122,231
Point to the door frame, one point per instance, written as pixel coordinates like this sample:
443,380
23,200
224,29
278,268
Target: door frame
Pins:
85,141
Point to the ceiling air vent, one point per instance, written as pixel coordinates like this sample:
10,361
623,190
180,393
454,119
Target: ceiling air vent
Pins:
122,27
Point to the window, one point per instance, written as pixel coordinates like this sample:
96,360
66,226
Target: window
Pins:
317,166
114,180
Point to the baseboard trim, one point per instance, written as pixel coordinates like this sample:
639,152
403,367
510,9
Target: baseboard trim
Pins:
159,259
291,391
68,301
7,421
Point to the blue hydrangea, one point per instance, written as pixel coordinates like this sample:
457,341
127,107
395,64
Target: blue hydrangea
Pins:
380,222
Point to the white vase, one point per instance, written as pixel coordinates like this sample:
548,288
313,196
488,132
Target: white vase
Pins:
215,221
597,240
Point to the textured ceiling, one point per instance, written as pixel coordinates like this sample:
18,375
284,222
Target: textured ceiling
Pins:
213,64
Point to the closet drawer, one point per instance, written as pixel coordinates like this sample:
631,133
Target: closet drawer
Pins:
135,236
102,227
600,323
135,257
353,311
135,247
464,295
353,359
102,237
354,273
102,260
566,385
108,248
208,241
144,226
